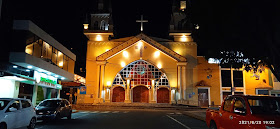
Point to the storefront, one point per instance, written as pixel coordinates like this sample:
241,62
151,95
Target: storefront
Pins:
20,82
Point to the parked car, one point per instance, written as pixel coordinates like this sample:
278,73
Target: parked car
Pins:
53,109
16,113
245,112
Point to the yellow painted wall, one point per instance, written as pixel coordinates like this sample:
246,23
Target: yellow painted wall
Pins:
169,65
252,84
93,50
213,82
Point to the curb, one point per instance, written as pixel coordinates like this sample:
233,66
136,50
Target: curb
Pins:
194,116
75,111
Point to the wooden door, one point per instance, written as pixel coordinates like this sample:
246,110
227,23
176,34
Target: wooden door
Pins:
163,95
141,94
203,100
118,94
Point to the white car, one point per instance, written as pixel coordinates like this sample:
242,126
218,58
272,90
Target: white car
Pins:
16,113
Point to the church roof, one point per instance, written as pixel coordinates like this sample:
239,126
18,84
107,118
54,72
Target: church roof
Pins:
135,39
160,39
122,39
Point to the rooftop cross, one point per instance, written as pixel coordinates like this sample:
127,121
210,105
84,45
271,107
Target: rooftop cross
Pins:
141,20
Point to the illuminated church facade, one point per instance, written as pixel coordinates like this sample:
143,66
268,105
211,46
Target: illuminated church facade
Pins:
145,69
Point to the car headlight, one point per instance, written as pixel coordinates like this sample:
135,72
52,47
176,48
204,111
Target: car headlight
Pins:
268,127
51,112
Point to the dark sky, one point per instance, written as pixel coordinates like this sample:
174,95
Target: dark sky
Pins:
250,26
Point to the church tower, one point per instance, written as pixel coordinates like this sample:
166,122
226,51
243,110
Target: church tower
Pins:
99,27
180,24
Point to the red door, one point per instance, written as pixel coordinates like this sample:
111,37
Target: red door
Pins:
118,94
141,94
162,95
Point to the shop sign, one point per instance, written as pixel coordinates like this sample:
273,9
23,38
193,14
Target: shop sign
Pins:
46,80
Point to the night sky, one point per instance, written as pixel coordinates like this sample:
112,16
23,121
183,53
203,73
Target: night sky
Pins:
250,26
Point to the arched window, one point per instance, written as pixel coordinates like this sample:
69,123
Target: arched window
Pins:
103,25
118,80
141,72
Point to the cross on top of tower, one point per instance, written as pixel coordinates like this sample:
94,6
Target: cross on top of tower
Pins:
141,21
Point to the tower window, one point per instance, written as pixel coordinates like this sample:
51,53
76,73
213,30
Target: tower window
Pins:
183,5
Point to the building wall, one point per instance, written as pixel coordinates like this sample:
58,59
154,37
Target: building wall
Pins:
9,88
169,65
203,70
252,83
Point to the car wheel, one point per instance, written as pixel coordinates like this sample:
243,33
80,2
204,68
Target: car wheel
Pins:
3,126
57,117
32,124
69,117
213,125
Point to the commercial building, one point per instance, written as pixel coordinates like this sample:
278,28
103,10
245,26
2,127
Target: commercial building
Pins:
34,64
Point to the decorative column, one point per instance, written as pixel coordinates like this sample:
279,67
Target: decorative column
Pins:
184,82
127,91
173,94
152,91
181,71
107,94
179,83
101,88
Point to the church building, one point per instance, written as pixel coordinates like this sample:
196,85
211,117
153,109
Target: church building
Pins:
145,69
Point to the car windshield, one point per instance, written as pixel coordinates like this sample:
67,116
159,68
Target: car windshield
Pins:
264,105
3,104
50,103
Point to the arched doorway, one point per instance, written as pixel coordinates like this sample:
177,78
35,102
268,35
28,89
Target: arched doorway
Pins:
118,94
141,94
163,95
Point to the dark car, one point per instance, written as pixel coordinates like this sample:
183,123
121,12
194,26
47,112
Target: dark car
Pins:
53,109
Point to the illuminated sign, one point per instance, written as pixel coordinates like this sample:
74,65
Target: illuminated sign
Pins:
45,80
48,80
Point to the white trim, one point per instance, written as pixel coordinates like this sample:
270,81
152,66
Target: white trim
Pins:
257,91
221,88
208,88
244,84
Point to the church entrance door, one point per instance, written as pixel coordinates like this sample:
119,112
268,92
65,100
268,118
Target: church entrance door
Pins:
141,94
162,95
118,94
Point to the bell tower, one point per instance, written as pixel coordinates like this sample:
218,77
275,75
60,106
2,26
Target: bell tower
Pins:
180,26
99,25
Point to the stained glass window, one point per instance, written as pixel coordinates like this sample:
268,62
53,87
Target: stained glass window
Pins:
141,72
163,81
118,80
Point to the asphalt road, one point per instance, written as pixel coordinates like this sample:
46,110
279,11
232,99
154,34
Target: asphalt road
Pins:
125,120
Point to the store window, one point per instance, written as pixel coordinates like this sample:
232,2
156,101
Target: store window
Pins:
45,51
38,48
29,49
237,78
65,62
227,79
262,92
54,56
60,59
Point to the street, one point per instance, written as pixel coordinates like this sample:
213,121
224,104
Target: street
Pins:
121,119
